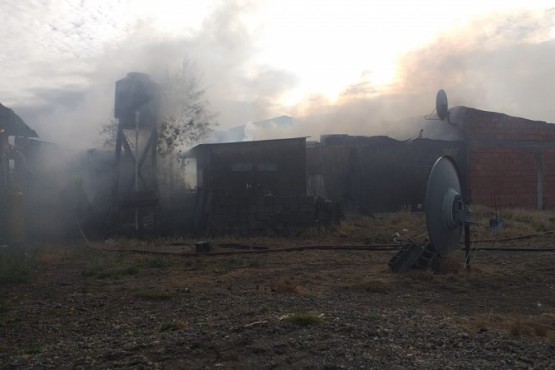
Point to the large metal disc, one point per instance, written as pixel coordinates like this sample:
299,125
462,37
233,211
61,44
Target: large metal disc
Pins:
443,200
442,107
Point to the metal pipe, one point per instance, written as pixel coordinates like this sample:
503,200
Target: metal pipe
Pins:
374,247
467,245
520,237
370,248
137,118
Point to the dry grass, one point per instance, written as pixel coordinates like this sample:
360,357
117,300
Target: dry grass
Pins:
516,222
154,294
409,226
292,276
380,229
540,326
174,325
106,265
375,285
16,265
420,275
447,265
54,255
364,229
127,243
286,285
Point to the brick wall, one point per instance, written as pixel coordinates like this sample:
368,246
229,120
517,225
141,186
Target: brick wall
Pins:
510,157
508,172
548,159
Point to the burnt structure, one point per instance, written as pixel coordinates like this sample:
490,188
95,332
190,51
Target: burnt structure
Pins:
11,196
258,187
53,182
135,189
507,159
254,187
375,174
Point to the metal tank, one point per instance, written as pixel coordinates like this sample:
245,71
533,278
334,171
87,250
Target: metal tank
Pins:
136,106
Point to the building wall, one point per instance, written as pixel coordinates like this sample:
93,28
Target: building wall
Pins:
548,164
511,157
252,187
379,174
509,173
277,166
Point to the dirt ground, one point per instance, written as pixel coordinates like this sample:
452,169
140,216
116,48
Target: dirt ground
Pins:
83,307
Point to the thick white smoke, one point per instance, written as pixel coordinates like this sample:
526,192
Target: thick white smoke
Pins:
498,63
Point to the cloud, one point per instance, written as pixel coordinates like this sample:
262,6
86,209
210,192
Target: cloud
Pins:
51,42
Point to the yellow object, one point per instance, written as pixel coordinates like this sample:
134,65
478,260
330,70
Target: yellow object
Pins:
17,218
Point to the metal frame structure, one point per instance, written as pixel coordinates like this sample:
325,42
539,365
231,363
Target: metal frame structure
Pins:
11,201
135,187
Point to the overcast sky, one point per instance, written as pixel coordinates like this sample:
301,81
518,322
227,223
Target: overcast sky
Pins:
341,66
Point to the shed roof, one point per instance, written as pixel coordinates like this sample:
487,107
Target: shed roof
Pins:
14,125
194,151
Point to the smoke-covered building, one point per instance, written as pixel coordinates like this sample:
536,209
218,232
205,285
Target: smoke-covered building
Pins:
508,158
254,187
497,155
11,202
283,185
46,190
375,174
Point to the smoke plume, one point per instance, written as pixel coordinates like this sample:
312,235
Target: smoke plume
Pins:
499,63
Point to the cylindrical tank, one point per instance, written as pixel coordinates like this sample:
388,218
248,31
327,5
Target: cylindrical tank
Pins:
136,93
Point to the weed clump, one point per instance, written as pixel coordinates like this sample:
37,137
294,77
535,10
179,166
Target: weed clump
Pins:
154,295
304,318
375,286
106,265
286,285
173,325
